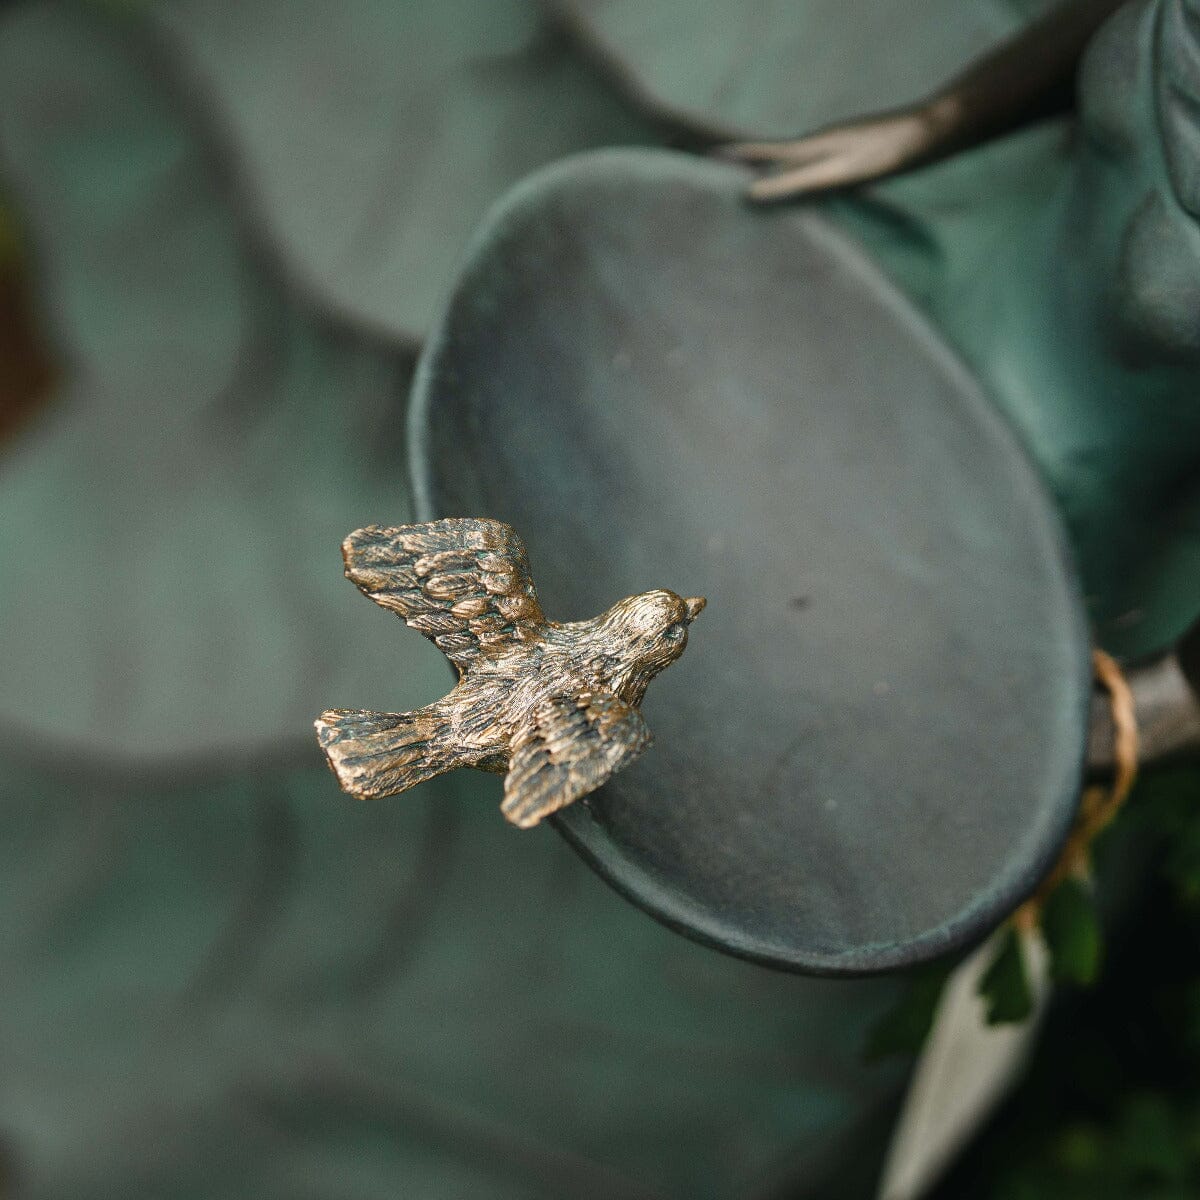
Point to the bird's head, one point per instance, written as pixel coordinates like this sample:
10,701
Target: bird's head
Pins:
648,632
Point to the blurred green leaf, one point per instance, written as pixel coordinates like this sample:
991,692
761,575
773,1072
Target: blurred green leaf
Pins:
1080,1149
1150,1140
1182,864
394,999
1111,1106
1072,931
1005,984
778,68
370,138
171,582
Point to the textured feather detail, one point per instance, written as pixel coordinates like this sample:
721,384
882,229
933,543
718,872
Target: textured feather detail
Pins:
463,583
569,748
379,754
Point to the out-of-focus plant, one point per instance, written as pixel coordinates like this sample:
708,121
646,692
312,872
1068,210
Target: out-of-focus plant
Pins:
1111,1107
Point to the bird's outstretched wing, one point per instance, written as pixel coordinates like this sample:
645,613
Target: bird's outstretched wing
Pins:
463,583
571,746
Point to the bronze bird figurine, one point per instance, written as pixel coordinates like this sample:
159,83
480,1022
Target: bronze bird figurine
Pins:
553,707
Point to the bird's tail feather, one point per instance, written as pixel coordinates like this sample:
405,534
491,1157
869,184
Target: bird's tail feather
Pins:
378,754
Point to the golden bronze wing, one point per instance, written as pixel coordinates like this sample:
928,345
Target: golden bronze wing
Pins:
572,745
463,583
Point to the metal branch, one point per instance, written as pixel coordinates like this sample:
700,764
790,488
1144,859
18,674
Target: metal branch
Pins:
1168,717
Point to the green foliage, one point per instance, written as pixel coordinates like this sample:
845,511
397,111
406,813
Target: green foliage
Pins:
1111,1107
1182,865
1149,1150
1071,927
1072,932
1005,985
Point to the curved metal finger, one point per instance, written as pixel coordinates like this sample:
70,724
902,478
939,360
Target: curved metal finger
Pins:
819,176
767,152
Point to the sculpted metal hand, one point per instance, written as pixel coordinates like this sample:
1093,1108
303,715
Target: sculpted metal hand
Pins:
847,154
1027,77
552,705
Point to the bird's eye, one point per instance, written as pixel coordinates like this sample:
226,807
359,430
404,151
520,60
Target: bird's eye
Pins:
675,633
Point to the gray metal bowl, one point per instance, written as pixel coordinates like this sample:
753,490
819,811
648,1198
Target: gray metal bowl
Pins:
872,748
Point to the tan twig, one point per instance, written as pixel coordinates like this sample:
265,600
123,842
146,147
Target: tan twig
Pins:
1099,804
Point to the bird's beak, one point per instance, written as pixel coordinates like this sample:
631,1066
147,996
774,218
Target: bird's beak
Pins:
694,606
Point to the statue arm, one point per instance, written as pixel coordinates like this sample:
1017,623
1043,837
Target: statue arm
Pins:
1026,78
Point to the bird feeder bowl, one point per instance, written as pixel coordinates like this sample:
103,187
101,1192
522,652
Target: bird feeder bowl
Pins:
872,751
